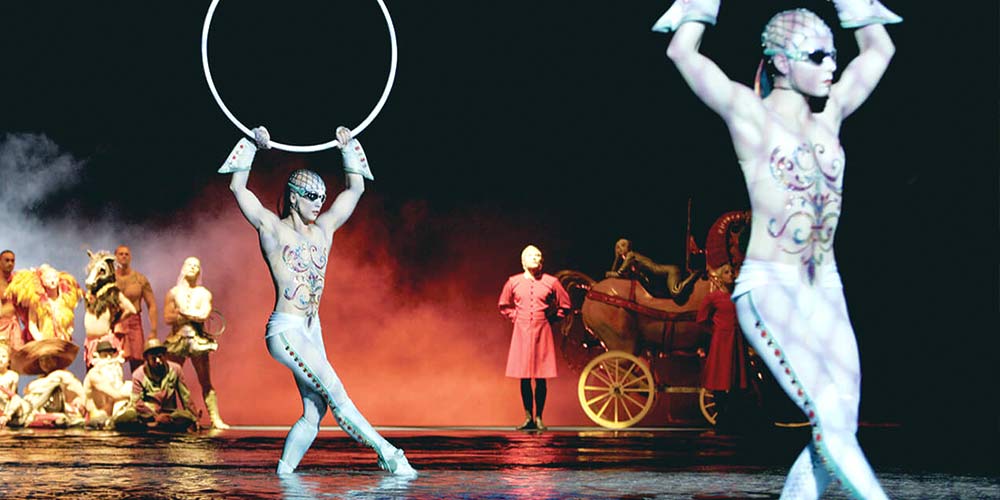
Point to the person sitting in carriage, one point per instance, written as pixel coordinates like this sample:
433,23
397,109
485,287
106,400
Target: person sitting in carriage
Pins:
630,264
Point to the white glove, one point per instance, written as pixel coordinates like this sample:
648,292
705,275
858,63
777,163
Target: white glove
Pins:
684,11
262,137
858,13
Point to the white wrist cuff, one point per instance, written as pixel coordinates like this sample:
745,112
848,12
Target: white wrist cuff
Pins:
355,160
858,13
240,158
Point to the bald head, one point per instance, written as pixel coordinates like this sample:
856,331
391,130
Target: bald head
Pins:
123,256
531,259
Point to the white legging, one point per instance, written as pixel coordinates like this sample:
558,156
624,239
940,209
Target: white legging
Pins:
803,334
299,346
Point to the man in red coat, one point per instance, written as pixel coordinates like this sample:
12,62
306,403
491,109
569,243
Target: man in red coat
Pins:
532,300
725,369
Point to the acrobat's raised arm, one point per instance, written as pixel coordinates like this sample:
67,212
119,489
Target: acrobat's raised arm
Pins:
737,104
356,170
238,163
875,51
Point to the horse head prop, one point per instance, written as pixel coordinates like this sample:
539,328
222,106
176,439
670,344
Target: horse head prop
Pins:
102,291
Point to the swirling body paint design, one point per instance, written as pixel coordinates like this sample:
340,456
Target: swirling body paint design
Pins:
812,208
308,265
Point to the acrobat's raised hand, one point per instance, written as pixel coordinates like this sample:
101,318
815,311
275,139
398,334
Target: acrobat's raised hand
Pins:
684,11
241,157
858,13
355,160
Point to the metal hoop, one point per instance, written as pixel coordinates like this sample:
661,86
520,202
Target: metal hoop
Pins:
290,147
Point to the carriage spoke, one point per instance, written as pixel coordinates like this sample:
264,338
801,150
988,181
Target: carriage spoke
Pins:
634,381
709,405
595,388
600,414
613,375
598,398
616,410
637,403
627,412
628,373
602,379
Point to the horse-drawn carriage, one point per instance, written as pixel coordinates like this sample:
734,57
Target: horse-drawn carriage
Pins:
633,346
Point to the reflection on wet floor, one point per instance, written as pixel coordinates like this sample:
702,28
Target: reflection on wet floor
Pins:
452,464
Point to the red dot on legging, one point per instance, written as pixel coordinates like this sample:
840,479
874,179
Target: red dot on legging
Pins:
763,334
818,437
777,352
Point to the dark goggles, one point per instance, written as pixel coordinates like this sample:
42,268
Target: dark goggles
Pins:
816,57
305,193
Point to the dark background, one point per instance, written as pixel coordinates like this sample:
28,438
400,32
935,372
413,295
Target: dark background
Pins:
566,119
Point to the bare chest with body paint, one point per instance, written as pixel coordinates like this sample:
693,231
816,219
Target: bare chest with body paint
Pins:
307,263
796,193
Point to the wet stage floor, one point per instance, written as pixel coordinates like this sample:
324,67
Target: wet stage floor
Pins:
493,463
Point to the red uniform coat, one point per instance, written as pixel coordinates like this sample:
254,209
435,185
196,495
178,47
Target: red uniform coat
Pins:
531,305
726,364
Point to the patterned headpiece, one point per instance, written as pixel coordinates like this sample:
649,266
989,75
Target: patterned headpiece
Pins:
784,34
787,30
302,181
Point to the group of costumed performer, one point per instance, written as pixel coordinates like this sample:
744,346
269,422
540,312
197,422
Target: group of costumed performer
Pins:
532,301
296,246
789,297
45,298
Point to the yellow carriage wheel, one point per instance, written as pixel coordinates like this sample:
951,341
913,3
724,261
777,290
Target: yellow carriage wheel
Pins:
706,402
616,390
